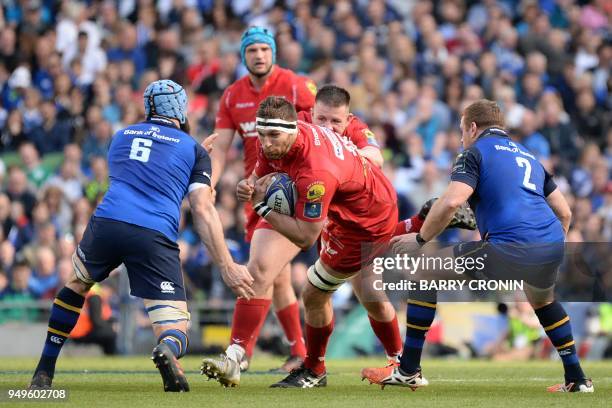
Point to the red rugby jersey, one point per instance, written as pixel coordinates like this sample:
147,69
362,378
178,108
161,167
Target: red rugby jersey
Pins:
334,181
240,100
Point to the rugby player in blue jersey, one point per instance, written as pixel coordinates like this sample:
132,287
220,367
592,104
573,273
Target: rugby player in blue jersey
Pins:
522,218
153,165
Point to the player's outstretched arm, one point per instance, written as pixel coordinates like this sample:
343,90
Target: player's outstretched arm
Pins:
209,228
373,154
561,208
218,154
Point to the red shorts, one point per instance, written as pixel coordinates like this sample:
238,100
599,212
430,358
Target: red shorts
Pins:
348,251
253,222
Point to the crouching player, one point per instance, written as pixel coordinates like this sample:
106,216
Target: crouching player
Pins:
153,165
523,221
341,197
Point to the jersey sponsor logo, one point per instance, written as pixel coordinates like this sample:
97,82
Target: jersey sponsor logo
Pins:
155,129
313,210
244,105
56,340
514,149
311,87
166,287
315,191
248,129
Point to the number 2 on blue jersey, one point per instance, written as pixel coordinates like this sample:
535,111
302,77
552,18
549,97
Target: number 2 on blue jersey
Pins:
523,162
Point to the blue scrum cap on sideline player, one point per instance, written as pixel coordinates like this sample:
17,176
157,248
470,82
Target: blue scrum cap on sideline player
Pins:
166,98
257,35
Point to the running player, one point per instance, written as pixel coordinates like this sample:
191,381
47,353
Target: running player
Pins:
152,165
270,252
342,197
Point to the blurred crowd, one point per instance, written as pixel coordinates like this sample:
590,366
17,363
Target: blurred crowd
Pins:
73,72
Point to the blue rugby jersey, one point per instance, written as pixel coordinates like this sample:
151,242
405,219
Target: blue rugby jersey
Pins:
152,166
510,189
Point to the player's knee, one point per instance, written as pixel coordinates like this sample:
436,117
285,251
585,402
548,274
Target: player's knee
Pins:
323,280
262,273
283,280
166,314
78,286
81,281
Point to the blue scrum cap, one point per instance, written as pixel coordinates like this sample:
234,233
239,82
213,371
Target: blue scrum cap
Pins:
255,35
166,98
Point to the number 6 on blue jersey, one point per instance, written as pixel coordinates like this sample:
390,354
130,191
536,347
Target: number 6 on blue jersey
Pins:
141,149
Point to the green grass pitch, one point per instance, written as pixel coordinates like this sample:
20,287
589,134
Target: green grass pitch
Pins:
133,382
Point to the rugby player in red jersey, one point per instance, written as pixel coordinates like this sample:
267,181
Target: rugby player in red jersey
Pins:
270,252
342,197
331,110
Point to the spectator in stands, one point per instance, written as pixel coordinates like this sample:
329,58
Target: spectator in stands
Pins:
19,292
44,279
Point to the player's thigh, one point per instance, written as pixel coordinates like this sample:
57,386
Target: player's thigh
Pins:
153,266
270,252
364,286
99,251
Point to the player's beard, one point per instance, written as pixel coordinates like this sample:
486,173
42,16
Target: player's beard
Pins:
259,74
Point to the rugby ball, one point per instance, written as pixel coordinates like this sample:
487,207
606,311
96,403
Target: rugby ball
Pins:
281,194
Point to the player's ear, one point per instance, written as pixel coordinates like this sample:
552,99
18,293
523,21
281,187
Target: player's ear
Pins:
474,128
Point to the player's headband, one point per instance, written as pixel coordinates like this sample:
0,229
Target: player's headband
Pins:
264,124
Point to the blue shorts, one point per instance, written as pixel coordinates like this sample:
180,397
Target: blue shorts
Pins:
498,265
151,259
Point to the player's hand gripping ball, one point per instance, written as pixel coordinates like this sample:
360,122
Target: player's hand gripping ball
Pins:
281,194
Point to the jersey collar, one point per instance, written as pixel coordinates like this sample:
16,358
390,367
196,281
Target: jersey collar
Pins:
493,131
270,80
161,121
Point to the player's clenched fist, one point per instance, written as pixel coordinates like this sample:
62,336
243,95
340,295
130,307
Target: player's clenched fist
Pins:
244,190
260,188
238,278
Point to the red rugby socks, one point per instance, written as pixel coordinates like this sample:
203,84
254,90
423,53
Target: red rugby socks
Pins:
316,345
249,317
389,335
289,318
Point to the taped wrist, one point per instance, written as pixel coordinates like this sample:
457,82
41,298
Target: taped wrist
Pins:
262,209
